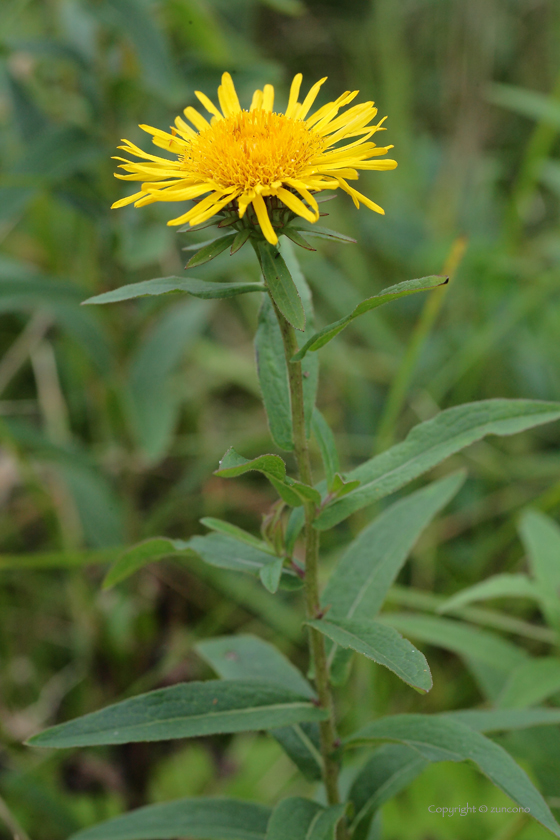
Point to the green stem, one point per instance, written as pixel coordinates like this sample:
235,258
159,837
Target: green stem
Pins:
313,606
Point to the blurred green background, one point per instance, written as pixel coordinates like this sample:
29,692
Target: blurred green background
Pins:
112,419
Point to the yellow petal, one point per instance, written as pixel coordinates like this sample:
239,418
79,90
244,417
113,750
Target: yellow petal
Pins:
268,98
229,102
262,215
381,165
184,129
359,198
197,119
122,202
194,211
243,202
304,191
208,104
303,109
295,204
257,100
211,211
294,93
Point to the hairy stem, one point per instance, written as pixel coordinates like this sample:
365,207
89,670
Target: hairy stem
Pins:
316,639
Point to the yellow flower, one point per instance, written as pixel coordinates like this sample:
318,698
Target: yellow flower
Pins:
246,156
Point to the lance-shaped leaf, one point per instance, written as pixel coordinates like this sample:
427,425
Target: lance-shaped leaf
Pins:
135,558
210,250
201,818
223,527
271,361
301,819
432,442
226,552
409,287
322,232
439,738
370,564
327,445
187,710
273,376
281,285
541,538
463,639
164,285
505,720
271,574
298,239
293,492
382,644
497,586
531,683
246,657
391,768
240,239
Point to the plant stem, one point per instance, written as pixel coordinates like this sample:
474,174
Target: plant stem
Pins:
313,606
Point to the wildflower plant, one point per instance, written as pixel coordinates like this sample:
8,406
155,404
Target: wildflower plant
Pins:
260,174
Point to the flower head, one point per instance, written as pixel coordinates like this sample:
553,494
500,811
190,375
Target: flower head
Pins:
259,158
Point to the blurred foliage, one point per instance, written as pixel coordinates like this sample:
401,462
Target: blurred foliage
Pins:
112,420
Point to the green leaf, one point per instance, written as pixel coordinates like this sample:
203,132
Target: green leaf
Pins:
233,465
271,361
327,445
541,538
188,710
531,683
409,287
202,818
504,720
321,232
370,564
140,555
430,443
271,574
382,644
248,657
226,552
293,492
497,586
234,531
297,238
164,285
240,239
273,376
281,285
390,769
341,487
302,743
310,365
296,818
294,527
211,250
463,639
439,738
